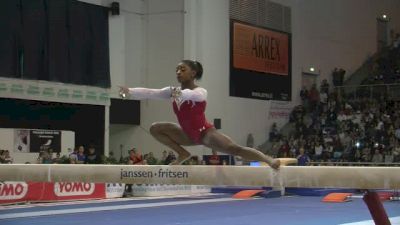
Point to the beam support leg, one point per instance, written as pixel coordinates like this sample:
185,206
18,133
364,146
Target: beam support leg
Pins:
376,209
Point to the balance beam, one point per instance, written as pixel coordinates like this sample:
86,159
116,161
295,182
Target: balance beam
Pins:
286,176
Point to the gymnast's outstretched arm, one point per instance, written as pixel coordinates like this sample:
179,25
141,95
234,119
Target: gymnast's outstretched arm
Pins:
198,94
147,93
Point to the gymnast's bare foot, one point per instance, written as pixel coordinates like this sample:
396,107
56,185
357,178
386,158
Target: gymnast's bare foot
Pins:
276,163
181,159
283,162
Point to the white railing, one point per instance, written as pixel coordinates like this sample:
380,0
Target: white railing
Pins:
353,164
373,91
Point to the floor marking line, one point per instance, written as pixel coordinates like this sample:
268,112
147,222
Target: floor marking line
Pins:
393,221
109,208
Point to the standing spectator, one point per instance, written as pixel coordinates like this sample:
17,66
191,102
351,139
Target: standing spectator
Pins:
250,140
335,77
396,41
314,97
324,101
324,88
304,96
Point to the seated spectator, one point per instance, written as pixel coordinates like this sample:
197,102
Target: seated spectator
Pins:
6,157
44,158
337,153
377,157
135,158
274,133
80,156
396,153
388,157
1,156
293,151
357,155
302,158
170,158
318,149
397,133
73,156
164,157
151,160
214,159
57,159
194,160
92,157
284,150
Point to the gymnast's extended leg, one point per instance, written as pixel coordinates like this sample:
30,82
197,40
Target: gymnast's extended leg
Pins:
222,143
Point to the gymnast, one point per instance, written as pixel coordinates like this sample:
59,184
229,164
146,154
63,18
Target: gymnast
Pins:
189,104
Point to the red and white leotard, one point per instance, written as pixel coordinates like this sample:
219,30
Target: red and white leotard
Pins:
189,108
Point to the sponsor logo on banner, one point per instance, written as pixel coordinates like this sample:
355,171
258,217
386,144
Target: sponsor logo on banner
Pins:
280,110
13,190
114,190
168,190
44,140
73,188
260,49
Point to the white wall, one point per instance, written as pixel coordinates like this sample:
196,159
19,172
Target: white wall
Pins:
340,33
207,29
325,34
153,47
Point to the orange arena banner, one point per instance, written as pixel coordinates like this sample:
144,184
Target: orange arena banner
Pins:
260,50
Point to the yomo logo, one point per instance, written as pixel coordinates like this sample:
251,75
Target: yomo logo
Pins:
73,188
13,190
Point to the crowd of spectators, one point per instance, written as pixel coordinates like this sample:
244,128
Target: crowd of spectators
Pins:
80,155
332,127
329,128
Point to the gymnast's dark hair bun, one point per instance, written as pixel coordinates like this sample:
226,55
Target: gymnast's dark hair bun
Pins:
196,66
